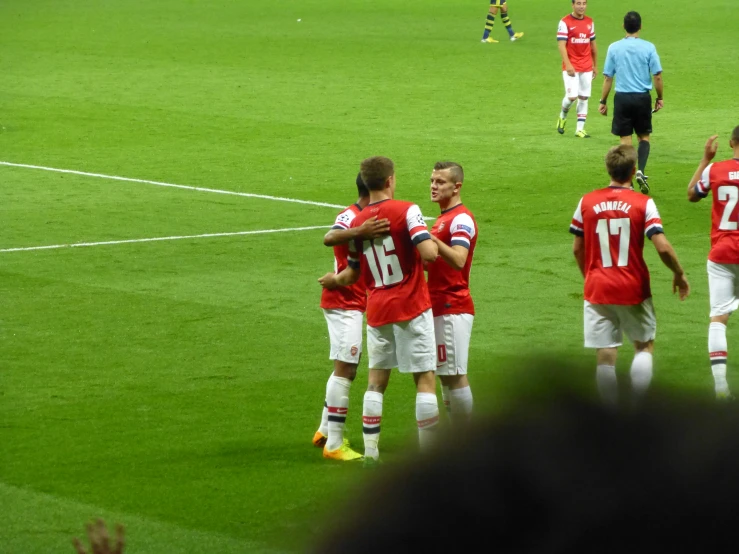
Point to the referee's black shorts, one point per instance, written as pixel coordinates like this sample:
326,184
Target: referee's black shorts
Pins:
632,113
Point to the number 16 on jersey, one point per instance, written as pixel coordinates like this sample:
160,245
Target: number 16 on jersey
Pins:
382,261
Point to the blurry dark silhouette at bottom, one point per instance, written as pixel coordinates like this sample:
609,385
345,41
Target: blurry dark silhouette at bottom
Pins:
559,474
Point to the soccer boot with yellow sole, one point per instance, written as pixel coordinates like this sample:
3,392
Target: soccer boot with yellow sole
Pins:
319,440
516,36
342,454
561,123
489,40
582,134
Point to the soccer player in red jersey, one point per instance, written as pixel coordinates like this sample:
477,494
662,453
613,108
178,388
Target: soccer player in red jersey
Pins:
609,227
721,179
343,309
576,42
455,233
400,327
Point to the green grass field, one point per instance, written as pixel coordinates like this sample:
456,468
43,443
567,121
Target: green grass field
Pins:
174,386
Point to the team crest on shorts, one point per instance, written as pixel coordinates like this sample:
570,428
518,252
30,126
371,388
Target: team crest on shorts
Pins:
354,350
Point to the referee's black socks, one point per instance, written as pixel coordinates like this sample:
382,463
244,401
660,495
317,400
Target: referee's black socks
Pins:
643,154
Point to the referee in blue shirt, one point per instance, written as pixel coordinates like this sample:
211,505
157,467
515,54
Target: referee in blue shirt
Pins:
635,62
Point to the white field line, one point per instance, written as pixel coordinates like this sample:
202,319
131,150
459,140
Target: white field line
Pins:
156,239
172,185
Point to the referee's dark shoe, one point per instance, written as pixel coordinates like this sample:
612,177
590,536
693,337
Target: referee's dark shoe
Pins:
641,180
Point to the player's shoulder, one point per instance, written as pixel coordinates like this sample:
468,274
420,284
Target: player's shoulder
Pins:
462,215
346,216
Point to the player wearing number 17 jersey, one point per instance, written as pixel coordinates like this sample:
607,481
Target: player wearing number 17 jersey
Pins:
721,179
609,227
400,328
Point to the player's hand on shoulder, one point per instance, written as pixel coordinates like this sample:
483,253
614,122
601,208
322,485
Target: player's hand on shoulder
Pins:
373,228
328,281
709,152
680,284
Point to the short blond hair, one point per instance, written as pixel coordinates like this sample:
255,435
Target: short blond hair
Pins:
620,162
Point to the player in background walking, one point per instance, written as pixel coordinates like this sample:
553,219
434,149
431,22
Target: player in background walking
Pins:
455,233
400,327
576,42
721,179
490,21
609,227
635,63
344,311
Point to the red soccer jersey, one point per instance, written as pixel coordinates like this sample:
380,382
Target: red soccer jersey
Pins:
613,222
345,298
391,266
578,33
722,178
450,288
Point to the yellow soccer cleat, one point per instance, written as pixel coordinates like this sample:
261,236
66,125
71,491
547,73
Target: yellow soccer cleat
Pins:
342,454
561,125
725,396
319,440
582,134
516,36
489,40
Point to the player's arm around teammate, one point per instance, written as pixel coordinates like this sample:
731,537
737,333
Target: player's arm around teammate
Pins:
721,180
455,233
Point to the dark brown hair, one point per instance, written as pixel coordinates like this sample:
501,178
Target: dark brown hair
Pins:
456,172
376,171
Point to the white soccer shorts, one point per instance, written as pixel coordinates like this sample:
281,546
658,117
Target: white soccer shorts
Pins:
605,323
345,334
722,285
409,345
453,332
579,84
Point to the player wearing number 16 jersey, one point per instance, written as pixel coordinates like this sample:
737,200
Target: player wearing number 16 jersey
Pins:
609,227
400,328
721,179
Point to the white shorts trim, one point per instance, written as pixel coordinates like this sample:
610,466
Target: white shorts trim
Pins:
605,323
345,335
580,84
722,285
453,332
409,345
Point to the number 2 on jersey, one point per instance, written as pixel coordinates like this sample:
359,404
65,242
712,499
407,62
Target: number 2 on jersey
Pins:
608,227
730,195
382,261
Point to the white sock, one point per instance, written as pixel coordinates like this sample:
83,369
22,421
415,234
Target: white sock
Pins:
605,376
371,419
427,417
461,400
445,399
582,113
641,372
566,103
718,351
323,428
337,398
